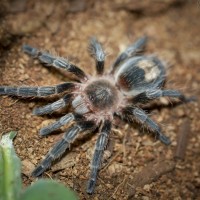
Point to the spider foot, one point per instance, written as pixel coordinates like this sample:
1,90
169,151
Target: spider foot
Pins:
91,186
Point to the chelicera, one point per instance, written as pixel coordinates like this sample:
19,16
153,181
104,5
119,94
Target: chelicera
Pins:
133,80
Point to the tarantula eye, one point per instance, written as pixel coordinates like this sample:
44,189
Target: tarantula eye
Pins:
139,73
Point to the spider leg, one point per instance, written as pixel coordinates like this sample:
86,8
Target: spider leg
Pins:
156,93
143,118
61,146
54,61
57,124
98,53
98,154
130,51
49,108
35,91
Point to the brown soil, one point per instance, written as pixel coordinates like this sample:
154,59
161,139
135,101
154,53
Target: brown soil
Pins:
136,165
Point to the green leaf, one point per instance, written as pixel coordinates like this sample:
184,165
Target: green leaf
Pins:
48,190
10,169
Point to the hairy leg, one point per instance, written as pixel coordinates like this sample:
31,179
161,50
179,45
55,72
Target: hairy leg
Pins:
98,53
29,91
54,61
61,146
130,51
143,118
49,108
98,154
156,93
57,124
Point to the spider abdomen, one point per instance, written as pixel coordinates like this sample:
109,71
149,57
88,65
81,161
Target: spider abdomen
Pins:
140,73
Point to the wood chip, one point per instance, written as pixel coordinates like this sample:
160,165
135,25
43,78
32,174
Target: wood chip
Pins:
182,139
150,173
67,161
27,167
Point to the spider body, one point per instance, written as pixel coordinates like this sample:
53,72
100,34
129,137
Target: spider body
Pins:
134,79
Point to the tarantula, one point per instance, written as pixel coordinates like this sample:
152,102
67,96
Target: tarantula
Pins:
134,80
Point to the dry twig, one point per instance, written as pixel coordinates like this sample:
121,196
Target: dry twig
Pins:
150,173
182,139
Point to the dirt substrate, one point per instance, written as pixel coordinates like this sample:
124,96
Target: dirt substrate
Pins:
136,166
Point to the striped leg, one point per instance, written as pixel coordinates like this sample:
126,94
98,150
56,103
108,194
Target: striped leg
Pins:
61,146
29,91
142,117
61,103
98,53
130,51
98,154
156,93
57,124
54,61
